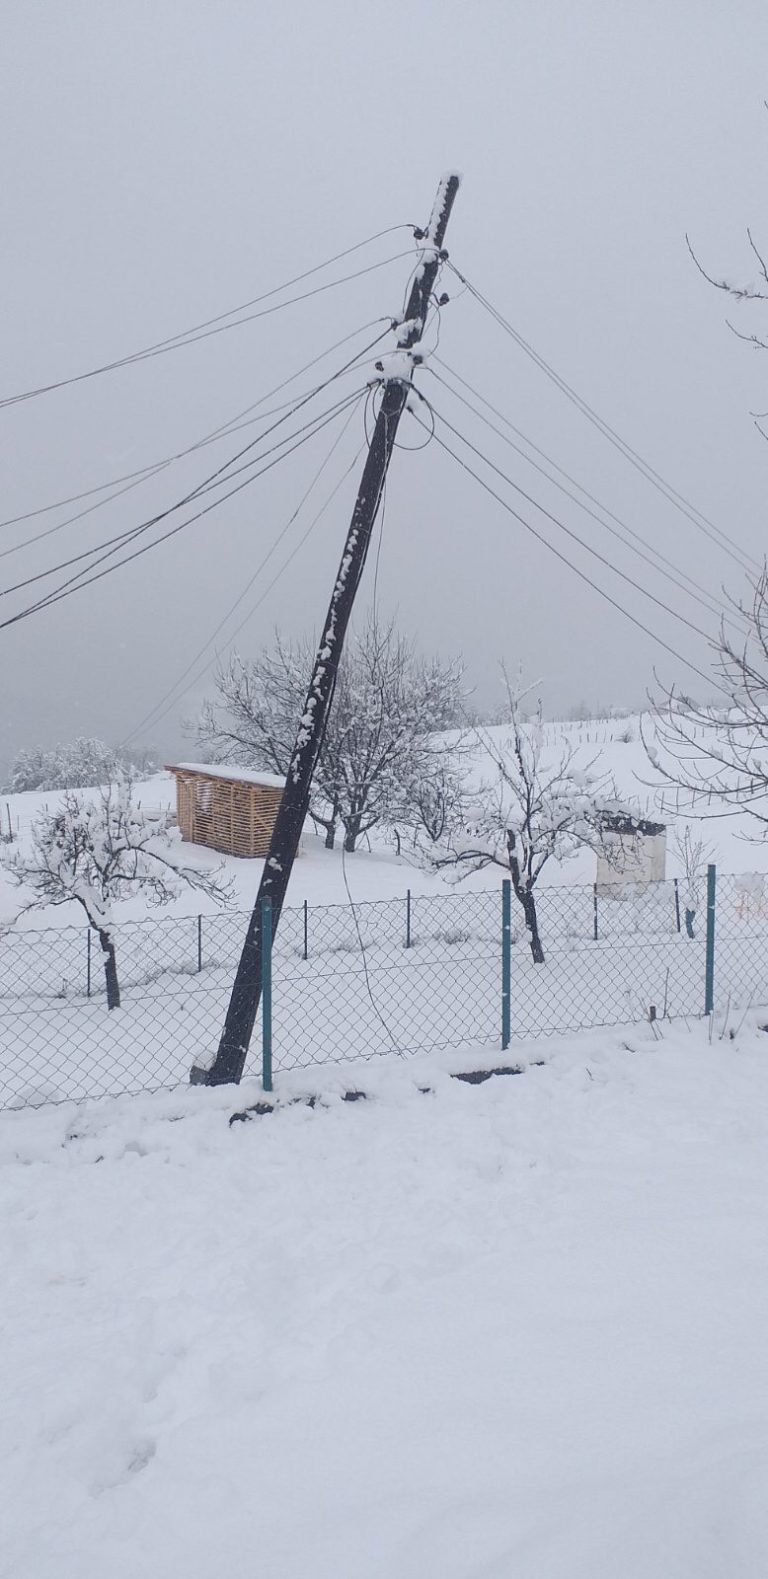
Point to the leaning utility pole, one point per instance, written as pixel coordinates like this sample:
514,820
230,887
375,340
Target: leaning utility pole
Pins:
398,371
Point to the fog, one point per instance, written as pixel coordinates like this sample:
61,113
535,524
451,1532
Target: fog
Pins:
165,162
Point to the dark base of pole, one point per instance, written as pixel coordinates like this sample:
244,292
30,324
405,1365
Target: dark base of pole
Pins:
209,1077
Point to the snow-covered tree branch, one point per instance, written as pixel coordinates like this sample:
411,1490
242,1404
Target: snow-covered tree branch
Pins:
383,737
97,850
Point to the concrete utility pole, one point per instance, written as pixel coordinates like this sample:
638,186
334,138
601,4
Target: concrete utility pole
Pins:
398,369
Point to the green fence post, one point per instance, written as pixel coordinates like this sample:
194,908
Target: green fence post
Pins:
709,983
199,944
266,993
408,918
506,963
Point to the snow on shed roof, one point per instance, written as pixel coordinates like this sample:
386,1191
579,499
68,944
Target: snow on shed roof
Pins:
233,774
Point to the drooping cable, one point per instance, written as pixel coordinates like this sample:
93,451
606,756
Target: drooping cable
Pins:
217,325
569,532
222,431
645,551
563,558
67,590
200,488
180,686
673,495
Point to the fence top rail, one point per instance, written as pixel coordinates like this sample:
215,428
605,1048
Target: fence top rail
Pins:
746,884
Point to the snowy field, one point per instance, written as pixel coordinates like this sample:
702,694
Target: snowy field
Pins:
506,1331
58,1041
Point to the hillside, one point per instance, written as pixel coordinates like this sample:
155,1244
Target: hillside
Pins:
612,744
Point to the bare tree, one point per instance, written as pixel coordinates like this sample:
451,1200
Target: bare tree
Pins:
694,855
744,291
534,809
718,755
99,850
389,708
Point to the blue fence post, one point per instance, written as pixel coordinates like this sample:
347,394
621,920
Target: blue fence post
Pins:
266,993
199,944
506,963
709,982
595,928
88,963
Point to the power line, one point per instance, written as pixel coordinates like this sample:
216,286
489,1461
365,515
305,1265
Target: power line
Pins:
203,330
566,561
673,574
121,539
141,472
202,487
638,587
702,522
286,407
174,694
68,589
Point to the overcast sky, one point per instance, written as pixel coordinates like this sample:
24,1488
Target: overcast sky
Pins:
165,162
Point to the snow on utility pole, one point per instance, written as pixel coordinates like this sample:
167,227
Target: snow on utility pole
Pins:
398,369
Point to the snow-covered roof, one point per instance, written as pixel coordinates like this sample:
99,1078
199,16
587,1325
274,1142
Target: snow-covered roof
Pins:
233,773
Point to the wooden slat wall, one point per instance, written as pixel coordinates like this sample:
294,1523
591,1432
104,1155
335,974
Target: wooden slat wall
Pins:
235,818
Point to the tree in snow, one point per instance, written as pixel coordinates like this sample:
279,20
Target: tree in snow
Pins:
99,850
719,752
389,708
75,764
535,808
694,856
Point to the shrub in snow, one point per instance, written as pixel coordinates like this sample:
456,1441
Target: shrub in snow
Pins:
381,753
100,849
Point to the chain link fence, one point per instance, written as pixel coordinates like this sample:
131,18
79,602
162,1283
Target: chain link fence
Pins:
404,975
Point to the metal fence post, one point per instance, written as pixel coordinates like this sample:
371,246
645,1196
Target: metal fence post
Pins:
408,918
199,943
88,963
506,963
594,913
306,930
709,984
266,993
677,905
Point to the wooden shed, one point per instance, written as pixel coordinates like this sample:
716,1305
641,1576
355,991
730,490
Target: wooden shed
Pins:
226,808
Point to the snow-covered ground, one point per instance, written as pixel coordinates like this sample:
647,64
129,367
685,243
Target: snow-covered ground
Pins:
613,745
505,1331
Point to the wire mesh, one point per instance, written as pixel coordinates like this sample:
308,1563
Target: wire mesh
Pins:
741,930
388,976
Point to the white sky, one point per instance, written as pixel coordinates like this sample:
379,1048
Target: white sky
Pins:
167,161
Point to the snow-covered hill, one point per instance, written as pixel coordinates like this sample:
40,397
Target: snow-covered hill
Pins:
612,744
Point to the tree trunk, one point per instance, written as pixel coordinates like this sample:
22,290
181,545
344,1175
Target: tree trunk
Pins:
330,835
351,835
524,895
532,924
689,918
110,969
